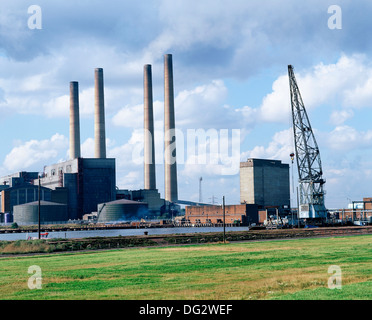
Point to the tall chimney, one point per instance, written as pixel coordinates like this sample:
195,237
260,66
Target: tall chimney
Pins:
149,149
170,164
99,116
74,121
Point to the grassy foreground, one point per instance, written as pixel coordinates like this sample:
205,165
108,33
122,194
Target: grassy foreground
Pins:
285,269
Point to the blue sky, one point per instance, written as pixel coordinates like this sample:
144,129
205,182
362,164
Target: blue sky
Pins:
230,70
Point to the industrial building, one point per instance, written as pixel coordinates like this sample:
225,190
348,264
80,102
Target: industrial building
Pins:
156,206
80,186
243,214
86,182
150,195
265,183
264,191
359,212
88,185
121,210
50,212
18,178
17,189
21,194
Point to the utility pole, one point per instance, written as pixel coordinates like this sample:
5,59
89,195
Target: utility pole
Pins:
298,209
224,228
39,210
200,189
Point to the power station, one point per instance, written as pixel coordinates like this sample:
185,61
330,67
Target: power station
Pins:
80,187
88,185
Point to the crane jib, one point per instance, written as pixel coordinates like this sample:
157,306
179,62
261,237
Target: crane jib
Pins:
307,153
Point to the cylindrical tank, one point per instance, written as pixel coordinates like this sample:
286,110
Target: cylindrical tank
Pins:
122,210
28,213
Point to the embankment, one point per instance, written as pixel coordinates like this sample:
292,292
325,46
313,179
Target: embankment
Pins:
97,243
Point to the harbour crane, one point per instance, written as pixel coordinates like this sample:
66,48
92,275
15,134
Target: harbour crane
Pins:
310,174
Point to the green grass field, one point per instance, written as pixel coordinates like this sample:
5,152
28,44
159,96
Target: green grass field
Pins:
286,269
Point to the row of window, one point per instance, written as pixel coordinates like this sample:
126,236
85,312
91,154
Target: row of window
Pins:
53,172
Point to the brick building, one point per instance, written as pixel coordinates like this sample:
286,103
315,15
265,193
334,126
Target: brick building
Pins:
243,214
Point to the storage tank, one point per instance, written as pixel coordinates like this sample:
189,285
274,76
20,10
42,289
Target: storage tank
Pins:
122,210
49,212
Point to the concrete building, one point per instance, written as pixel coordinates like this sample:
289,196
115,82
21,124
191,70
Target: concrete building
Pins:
265,183
243,214
88,182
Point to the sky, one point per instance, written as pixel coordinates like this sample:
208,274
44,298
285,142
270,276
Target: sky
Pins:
230,61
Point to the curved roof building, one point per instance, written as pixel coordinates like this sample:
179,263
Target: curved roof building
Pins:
122,210
28,213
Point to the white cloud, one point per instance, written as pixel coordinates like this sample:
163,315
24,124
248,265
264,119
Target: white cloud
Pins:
339,117
203,107
345,138
129,117
350,180
34,152
87,148
280,147
344,83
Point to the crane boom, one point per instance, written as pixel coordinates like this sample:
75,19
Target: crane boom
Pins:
311,182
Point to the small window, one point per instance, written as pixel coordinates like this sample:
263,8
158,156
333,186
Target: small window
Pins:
53,172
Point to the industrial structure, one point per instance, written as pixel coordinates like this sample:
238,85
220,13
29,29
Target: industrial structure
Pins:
80,187
264,182
50,212
88,185
85,181
20,193
149,137
122,210
264,192
311,182
243,214
74,121
170,161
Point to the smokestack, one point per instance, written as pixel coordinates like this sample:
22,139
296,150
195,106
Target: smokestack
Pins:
74,121
149,149
99,116
170,164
